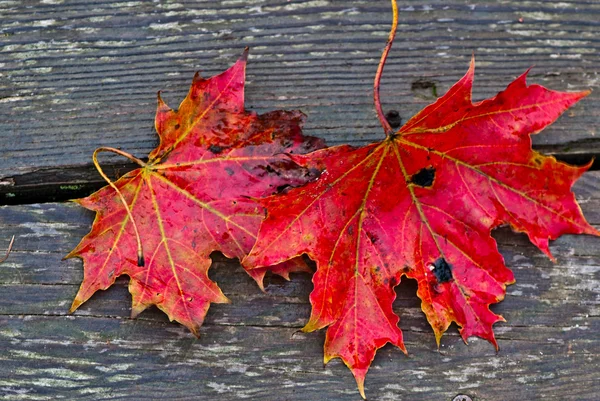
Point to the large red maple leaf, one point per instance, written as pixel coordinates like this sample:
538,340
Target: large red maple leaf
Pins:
422,203
193,197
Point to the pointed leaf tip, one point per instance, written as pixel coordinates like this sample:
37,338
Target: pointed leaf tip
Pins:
360,384
70,255
136,309
245,53
195,331
471,69
438,338
76,304
197,78
162,106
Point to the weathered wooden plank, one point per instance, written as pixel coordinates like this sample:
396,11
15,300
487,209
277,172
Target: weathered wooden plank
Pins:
549,346
100,358
75,75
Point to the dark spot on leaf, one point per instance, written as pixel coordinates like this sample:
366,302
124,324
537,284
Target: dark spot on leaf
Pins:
442,270
216,149
393,118
313,173
424,177
351,230
374,238
271,170
229,171
177,126
282,188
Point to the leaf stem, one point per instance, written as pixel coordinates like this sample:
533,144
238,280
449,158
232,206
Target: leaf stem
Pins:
140,251
384,123
10,245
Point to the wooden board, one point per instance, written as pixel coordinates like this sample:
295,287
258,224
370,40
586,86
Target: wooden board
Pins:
251,348
75,75
78,74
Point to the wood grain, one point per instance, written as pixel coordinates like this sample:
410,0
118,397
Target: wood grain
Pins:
549,346
78,74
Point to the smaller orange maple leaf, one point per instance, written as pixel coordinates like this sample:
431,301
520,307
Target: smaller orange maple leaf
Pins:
192,197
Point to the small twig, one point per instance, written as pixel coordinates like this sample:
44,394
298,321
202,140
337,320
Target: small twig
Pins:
140,251
384,123
10,245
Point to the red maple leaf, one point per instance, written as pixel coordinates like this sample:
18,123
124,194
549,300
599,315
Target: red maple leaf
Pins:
422,203
192,197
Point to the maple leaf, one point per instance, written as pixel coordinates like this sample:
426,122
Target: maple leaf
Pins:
192,197
422,203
